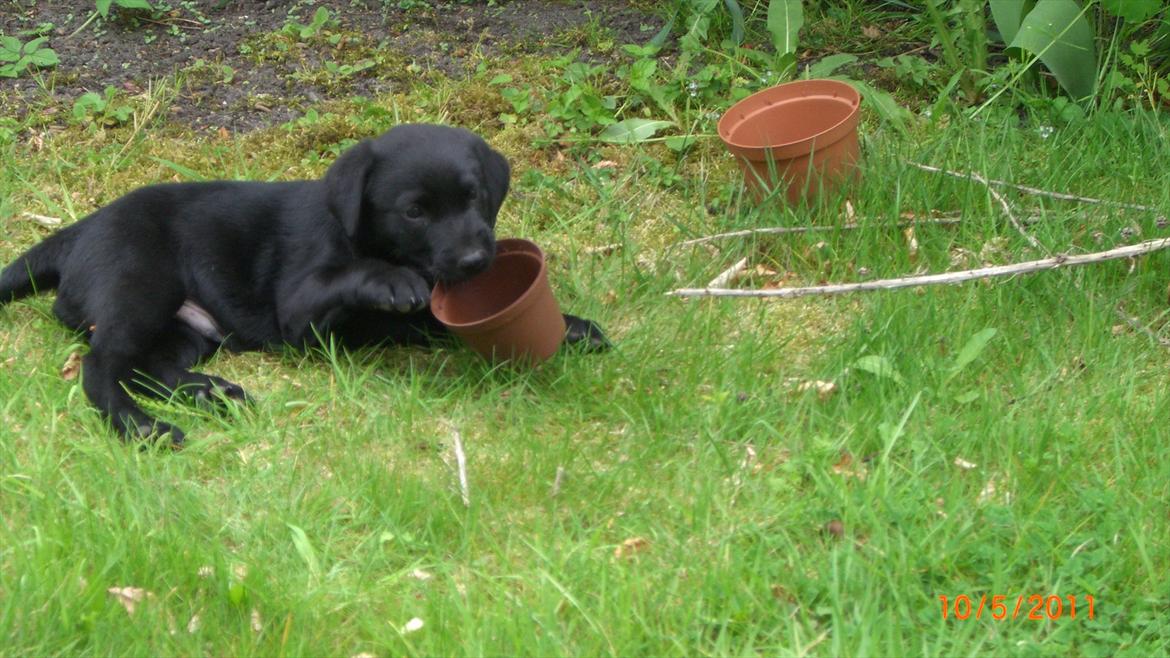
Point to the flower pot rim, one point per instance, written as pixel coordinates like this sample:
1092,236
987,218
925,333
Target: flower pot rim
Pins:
789,92
441,293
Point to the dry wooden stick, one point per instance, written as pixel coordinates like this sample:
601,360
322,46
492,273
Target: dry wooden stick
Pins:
43,220
1007,211
1137,325
781,230
461,466
727,276
1128,251
1036,191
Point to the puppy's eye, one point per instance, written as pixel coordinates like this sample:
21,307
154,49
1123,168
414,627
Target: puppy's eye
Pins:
414,211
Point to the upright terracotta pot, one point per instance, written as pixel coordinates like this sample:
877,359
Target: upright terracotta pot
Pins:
507,313
799,137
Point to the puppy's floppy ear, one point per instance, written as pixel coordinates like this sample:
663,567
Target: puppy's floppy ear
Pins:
345,183
496,173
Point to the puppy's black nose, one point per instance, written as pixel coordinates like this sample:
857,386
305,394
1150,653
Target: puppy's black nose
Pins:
473,261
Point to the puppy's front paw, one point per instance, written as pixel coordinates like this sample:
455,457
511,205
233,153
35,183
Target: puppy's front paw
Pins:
402,290
585,335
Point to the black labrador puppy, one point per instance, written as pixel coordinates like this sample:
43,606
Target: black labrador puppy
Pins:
162,277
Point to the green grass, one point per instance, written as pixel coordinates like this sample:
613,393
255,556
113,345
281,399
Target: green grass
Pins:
313,513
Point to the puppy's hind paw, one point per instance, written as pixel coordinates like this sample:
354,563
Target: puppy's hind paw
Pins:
149,433
585,335
217,392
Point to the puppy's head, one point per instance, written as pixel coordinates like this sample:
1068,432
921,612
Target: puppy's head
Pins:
421,195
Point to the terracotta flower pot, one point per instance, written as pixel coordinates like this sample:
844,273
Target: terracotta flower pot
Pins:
508,312
798,137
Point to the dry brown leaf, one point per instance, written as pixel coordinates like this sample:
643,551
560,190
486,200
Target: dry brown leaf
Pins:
419,574
846,466
781,594
835,529
631,547
130,597
825,390
194,624
964,464
72,367
605,164
994,492
911,243
257,624
871,32
415,624
850,213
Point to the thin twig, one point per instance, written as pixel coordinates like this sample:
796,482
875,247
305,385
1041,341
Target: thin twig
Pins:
461,466
557,480
43,220
728,275
604,249
1007,211
781,230
1137,325
1128,251
1036,191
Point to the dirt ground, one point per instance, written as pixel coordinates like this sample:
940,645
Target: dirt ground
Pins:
242,73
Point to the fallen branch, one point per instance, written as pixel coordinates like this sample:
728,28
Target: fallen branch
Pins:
1034,190
1128,251
782,230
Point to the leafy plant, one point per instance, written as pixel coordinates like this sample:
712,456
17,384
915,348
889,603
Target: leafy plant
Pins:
103,6
17,57
322,20
1056,33
652,93
101,109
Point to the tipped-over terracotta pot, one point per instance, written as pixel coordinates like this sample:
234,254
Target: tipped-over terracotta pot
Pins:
799,137
507,313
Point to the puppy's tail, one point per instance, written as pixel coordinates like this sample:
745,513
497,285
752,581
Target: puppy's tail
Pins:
36,269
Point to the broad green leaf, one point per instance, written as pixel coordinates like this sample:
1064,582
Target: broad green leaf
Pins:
1057,32
785,18
659,39
972,349
1133,11
829,65
44,57
103,7
1008,14
968,397
133,4
632,131
305,549
185,172
737,27
86,102
878,366
884,104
